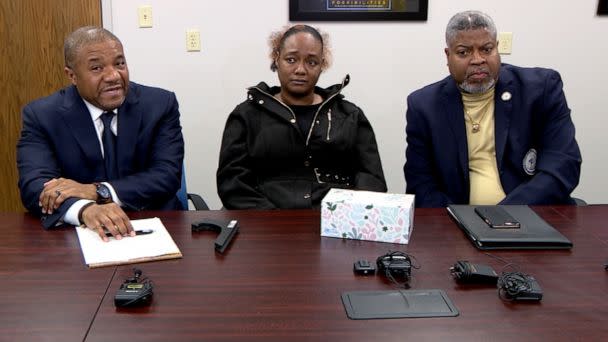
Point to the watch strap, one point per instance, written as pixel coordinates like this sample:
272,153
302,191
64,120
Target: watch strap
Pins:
81,211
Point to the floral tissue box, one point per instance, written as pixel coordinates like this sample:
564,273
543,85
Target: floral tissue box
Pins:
366,215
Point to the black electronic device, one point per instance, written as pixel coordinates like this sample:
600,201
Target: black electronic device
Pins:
227,231
496,217
466,272
534,232
134,291
517,286
397,267
397,263
364,267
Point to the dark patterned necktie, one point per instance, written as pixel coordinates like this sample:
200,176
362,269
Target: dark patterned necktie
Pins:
109,146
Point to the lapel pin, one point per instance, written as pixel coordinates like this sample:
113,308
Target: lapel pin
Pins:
506,96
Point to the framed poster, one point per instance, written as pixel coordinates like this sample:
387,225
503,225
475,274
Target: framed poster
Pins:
602,7
357,10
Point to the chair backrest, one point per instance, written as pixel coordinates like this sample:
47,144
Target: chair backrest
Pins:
579,201
183,196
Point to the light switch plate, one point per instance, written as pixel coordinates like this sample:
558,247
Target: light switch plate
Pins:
144,14
505,43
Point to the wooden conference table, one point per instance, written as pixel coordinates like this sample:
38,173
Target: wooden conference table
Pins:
281,281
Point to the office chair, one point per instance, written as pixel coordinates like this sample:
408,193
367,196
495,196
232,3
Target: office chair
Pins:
197,201
579,202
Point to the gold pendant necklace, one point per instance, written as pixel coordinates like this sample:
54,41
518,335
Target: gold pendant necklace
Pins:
474,125
477,106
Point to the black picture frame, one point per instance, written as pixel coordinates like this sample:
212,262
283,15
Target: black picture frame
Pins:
602,7
368,10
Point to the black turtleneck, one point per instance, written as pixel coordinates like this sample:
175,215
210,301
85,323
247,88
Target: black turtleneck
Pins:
304,115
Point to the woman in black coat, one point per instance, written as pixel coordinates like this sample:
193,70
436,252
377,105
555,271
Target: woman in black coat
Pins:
285,147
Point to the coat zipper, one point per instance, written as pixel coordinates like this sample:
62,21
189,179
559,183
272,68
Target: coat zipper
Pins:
328,123
293,115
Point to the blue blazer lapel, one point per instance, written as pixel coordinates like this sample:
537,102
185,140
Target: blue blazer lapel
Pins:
129,121
78,119
452,101
503,106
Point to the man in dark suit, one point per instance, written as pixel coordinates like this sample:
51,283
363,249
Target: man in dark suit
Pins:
100,146
489,133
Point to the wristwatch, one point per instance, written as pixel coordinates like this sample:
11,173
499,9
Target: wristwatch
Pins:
104,195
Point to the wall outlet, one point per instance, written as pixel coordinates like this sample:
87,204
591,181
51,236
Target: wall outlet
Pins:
193,40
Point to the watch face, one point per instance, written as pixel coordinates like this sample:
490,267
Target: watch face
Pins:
104,193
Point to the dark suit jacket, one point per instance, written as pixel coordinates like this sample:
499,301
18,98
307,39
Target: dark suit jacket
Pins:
58,139
534,116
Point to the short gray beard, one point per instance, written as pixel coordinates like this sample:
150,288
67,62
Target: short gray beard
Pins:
477,88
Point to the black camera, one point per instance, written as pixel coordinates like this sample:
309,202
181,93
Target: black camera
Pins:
134,291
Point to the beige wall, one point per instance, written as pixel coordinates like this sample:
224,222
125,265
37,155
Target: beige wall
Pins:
386,62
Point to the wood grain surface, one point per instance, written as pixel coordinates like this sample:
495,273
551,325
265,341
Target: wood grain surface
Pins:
31,66
46,291
281,281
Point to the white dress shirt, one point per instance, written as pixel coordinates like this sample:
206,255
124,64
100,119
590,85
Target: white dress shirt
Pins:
71,216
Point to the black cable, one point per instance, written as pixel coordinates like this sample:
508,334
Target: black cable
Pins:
397,264
461,270
516,285
512,285
506,262
405,283
99,306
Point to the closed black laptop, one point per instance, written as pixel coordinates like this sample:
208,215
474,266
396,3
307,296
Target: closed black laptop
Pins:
534,232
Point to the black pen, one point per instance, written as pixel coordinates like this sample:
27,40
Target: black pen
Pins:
137,232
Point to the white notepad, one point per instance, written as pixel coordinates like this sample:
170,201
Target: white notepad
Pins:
132,249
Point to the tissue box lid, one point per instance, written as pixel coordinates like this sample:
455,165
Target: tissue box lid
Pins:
362,197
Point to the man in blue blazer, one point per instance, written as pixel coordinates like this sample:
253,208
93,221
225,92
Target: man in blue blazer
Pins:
101,146
489,133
